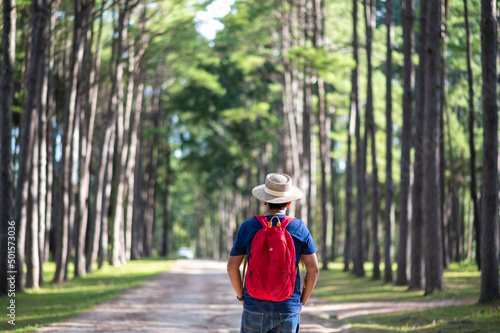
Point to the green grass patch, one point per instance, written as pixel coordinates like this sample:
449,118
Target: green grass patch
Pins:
460,281
52,303
460,318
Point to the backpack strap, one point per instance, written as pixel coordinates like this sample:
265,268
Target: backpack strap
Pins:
286,220
263,220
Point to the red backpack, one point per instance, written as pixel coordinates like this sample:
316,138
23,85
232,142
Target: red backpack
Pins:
271,262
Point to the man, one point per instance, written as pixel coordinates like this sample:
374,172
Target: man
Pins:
268,316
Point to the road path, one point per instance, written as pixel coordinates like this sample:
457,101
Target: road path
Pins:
196,296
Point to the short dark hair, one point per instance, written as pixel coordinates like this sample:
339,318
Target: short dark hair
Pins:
277,205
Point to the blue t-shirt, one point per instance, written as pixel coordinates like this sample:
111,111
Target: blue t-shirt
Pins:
304,244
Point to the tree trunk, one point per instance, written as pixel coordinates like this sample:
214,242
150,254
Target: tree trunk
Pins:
443,97
389,185
51,111
116,107
353,114
472,160
150,191
432,247
132,163
358,259
489,218
138,220
418,165
32,224
35,77
406,139
370,129
105,199
6,166
166,204
82,262
68,166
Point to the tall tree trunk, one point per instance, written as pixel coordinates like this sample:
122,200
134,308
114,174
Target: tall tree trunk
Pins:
138,219
131,165
32,250
93,65
432,247
370,129
35,76
489,228
150,190
321,118
418,165
105,199
68,167
116,107
166,204
6,166
353,112
51,113
472,160
358,259
443,97
389,185
94,228
406,139
450,239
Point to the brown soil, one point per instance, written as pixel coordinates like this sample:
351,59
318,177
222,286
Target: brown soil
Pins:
196,296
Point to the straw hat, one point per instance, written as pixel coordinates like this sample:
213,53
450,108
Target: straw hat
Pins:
277,189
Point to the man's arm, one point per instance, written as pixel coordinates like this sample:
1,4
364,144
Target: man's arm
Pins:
233,270
312,267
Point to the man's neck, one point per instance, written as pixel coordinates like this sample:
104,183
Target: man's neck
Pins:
276,212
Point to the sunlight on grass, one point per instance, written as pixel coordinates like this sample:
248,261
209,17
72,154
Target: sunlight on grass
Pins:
51,303
459,280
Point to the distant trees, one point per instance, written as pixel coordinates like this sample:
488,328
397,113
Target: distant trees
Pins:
126,133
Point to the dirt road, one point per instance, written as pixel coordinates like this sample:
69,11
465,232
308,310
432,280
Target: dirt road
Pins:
196,296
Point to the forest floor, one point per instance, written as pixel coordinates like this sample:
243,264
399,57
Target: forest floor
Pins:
196,296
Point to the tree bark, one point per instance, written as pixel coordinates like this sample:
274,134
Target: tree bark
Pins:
389,185
443,97
353,112
93,228
132,164
51,112
32,250
472,161
418,165
358,259
432,246
489,228
68,167
370,129
138,213
35,75
6,166
93,65
166,204
406,139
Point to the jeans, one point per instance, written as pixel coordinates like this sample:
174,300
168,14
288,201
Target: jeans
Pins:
269,322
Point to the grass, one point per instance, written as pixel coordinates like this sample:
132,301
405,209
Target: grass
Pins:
460,280
52,303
